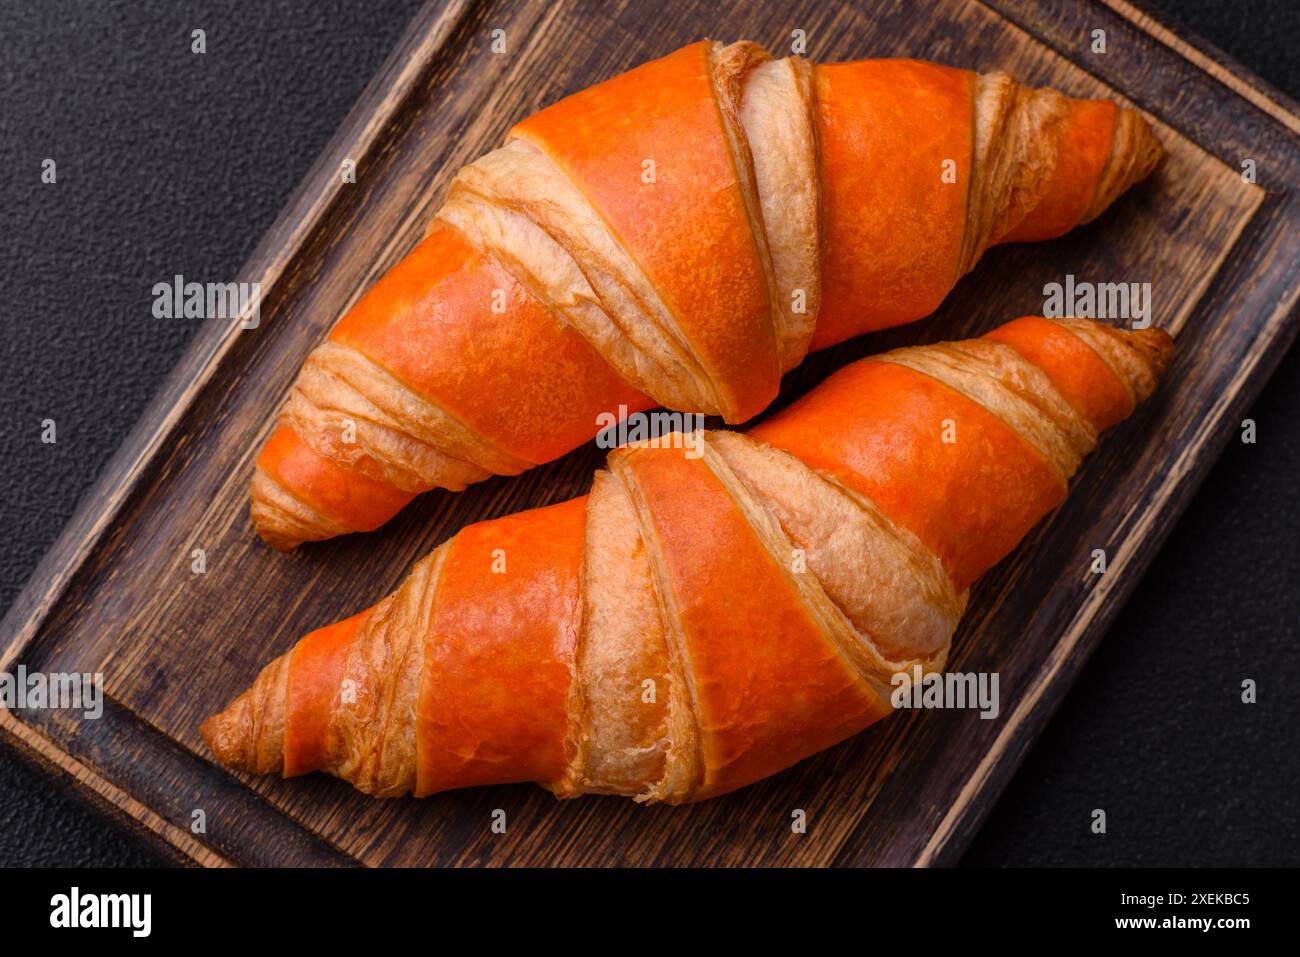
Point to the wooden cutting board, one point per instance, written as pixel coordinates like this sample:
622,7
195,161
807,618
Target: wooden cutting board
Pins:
117,595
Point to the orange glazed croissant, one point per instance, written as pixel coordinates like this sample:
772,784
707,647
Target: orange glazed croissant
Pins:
699,622
680,235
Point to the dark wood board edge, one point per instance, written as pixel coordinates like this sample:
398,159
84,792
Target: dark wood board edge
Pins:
1193,62
163,795
1180,39
99,794
93,521
22,741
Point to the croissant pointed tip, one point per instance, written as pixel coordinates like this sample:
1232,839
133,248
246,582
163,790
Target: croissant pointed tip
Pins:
280,520
249,734
1156,347
220,734
1153,150
282,544
1140,152
1148,151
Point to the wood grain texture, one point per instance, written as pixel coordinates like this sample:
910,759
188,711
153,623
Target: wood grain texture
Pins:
116,593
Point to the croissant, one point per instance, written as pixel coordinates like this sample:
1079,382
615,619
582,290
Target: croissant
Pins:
713,611
680,235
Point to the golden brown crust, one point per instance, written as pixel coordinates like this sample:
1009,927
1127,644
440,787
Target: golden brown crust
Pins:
1134,155
372,733
624,681
523,210
1015,150
249,734
779,117
348,408
999,379
682,769
578,268
893,591
282,519
649,710
1137,357
733,66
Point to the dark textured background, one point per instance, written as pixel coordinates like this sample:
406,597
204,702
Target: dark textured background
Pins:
173,163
